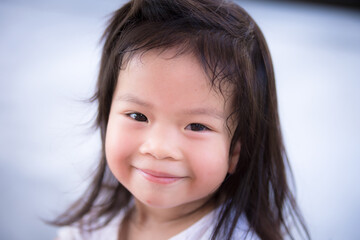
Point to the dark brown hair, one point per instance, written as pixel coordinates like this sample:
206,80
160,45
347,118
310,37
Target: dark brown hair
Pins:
231,48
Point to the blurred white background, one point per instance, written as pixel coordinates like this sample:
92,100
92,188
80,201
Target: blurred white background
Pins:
49,60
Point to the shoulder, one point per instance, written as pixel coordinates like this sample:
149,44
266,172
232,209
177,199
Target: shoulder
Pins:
242,230
203,229
110,231
68,233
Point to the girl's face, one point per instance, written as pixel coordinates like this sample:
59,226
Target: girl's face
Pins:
167,140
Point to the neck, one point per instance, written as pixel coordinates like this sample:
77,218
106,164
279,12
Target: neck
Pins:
143,220
146,214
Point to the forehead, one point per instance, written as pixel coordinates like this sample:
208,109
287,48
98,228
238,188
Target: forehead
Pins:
169,76
211,74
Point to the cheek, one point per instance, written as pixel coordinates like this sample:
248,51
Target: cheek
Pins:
210,163
119,146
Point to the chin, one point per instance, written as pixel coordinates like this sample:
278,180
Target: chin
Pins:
158,202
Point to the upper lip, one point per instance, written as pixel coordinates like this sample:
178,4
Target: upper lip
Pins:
158,174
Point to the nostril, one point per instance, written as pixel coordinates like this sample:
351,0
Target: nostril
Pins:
160,150
155,150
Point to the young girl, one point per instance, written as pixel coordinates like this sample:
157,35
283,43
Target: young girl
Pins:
188,116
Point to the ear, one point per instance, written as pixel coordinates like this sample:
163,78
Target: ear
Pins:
234,158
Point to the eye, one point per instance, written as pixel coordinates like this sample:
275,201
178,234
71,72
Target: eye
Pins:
196,127
138,117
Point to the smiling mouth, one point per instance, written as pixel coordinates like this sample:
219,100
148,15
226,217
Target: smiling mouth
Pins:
158,177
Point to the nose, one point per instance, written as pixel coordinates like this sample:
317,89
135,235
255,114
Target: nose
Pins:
161,143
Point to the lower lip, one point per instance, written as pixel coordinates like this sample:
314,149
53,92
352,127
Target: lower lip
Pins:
158,179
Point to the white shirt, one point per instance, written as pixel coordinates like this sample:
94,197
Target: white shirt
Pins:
200,230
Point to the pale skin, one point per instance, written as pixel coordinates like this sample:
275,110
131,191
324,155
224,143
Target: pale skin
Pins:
167,143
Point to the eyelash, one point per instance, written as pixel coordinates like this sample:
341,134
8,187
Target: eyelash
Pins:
196,127
137,117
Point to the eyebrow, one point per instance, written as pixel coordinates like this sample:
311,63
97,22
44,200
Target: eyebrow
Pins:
132,99
205,111
195,111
